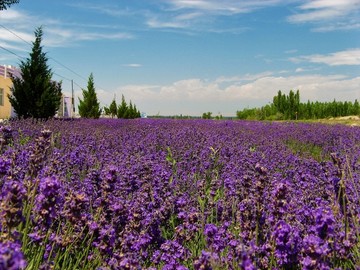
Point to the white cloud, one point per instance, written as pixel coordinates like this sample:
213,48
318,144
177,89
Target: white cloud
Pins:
132,65
15,36
330,14
105,8
194,96
341,58
156,23
222,7
56,33
328,4
198,15
342,26
246,77
11,15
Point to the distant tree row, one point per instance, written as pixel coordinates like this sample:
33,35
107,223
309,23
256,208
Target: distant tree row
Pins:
124,110
89,106
208,115
289,107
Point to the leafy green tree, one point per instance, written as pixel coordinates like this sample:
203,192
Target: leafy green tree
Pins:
356,108
206,115
4,4
126,111
285,107
89,107
106,111
132,111
113,108
121,110
34,94
137,113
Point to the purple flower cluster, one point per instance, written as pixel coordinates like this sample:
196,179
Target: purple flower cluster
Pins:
6,136
11,257
170,194
48,200
12,196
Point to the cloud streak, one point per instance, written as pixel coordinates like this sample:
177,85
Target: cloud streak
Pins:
201,15
329,15
132,65
56,33
350,57
221,7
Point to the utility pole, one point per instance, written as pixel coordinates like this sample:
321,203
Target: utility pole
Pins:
72,99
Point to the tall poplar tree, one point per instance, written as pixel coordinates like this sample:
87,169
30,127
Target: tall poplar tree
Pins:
113,108
89,107
34,94
123,107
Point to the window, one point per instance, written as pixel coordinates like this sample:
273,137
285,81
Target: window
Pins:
1,97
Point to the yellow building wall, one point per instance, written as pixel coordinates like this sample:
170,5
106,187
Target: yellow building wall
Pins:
5,108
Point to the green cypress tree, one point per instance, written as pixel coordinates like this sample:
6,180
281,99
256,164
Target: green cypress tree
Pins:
356,108
130,111
121,111
34,94
89,107
106,111
113,108
136,112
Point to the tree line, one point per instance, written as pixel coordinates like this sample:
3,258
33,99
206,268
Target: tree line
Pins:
289,107
34,94
124,110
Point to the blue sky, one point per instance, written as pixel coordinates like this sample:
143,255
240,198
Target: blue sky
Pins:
187,57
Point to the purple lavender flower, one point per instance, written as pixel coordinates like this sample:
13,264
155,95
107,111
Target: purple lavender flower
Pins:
5,165
205,261
12,197
171,253
324,223
246,263
7,135
46,133
280,199
125,206
75,206
210,230
105,240
11,257
315,251
261,169
287,244
49,199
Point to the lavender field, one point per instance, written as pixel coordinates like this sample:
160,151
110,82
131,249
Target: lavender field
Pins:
179,194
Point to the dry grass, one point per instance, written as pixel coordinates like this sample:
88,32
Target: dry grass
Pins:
352,120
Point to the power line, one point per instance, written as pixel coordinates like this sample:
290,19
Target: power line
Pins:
69,69
62,76
15,34
78,85
11,52
77,74
58,62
